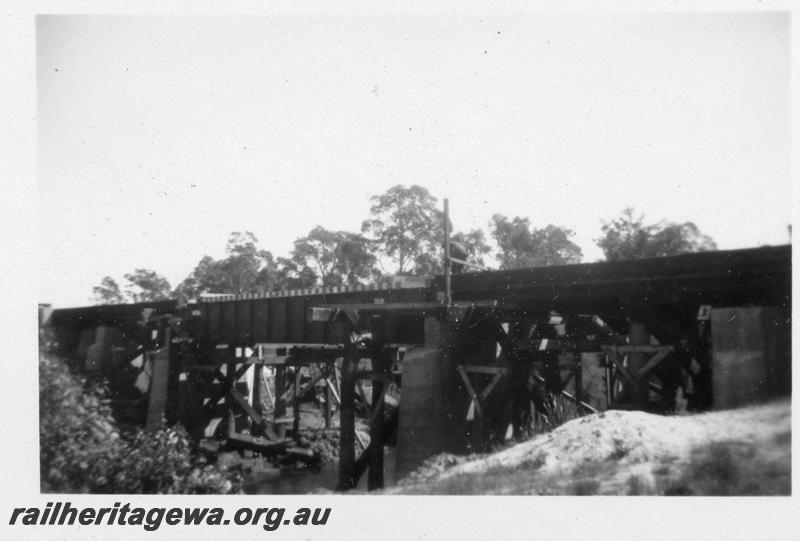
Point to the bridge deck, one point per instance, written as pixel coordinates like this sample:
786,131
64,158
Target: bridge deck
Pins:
733,277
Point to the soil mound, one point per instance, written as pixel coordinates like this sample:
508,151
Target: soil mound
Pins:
744,452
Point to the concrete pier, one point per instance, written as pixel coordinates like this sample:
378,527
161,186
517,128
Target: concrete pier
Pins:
751,355
426,419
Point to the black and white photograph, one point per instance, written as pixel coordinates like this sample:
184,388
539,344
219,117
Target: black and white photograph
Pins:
286,260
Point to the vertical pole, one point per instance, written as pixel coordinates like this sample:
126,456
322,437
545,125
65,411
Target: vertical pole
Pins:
157,404
184,392
639,336
296,403
258,382
578,367
328,398
517,398
609,382
347,422
269,394
519,373
280,388
230,378
375,474
448,267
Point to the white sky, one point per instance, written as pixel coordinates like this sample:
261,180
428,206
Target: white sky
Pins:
158,136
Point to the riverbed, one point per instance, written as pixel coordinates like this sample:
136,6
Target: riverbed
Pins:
273,481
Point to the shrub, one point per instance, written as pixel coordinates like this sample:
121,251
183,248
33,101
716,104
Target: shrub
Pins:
83,449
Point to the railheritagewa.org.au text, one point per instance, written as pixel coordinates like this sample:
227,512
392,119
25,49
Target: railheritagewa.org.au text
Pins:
152,518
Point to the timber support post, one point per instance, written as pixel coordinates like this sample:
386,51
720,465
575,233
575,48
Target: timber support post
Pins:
328,395
230,384
578,367
448,265
639,336
347,418
157,404
375,474
280,388
381,375
296,402
258,382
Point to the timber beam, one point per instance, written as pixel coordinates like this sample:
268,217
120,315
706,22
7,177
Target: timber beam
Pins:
637,378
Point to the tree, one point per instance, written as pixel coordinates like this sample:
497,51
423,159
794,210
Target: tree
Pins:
147,285
209,275
520,246
294,276
335,257
474,244
355,262
628,237
407,226
188,289
246,269
108,292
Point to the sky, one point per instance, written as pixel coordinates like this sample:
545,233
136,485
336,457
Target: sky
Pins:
159,135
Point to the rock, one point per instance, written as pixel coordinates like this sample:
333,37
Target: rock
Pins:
229,460
209,448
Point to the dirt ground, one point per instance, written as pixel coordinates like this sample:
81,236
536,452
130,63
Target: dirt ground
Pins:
737,452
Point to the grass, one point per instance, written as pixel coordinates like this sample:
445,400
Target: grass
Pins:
635,486
730,468
494,480
585,487
584,479
620,450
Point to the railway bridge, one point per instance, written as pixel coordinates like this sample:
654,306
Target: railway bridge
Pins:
448,364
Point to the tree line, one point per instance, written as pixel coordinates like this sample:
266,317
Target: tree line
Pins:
404,231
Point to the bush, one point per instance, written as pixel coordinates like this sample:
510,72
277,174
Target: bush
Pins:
83,449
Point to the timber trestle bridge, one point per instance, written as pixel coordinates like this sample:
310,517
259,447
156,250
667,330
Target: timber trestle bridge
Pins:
448,364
